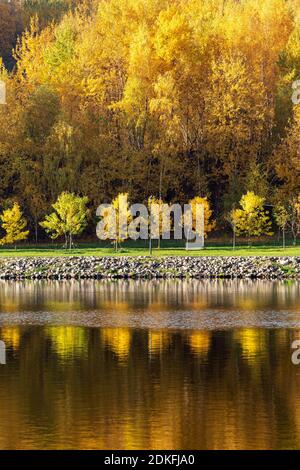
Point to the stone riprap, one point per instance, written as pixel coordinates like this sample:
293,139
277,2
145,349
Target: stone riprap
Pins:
93,267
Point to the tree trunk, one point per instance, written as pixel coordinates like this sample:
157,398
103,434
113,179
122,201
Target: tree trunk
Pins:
283,237
36,231
160,198
295,238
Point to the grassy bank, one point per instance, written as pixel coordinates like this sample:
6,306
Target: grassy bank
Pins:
139,249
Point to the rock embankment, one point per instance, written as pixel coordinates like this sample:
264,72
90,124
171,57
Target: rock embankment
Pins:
93,267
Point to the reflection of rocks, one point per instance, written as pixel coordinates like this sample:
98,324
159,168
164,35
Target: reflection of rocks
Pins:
148,268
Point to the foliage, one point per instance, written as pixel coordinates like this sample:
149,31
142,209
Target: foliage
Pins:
252,219
14,224
295,218
209,224
69,218
156,207
116,219
169,97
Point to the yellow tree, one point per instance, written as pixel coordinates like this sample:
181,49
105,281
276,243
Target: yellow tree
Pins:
69,217
294,221
252,219
287,160
161,85
155,207
14,224
121,218
203,202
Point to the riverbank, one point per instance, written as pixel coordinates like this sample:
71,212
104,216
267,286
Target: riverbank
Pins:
126,267
134,249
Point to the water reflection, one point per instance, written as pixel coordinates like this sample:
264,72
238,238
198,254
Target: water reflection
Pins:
118,340
159,295
152,304
126,387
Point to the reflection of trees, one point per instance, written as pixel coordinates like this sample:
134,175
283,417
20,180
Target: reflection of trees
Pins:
11,336
118,340
109,388
154,296
251,341
158,341
76,387
199,341
67,341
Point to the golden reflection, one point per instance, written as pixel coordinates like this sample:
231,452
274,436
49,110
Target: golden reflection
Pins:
199,341
11,336
151,296
96,388
252,341
117,306
118,340
248,304
158,341
63,306
68,341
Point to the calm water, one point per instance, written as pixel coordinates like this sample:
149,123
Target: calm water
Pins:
149,365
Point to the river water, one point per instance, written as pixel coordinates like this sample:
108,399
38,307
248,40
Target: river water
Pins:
149,365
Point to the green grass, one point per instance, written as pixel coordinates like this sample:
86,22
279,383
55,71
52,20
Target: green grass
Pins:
140,249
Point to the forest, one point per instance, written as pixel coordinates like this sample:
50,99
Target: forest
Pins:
174,99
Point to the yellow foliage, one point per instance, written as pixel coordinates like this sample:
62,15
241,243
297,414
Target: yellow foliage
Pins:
199,341
158,341
252,341
68,341
209,224
117,218
118,340
14,224
183,93
252,219
11,336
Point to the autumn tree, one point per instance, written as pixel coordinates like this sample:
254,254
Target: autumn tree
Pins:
252,219
208,223
156,207
287,160
115,220
14,224
294,221
69,217
282,217
172,98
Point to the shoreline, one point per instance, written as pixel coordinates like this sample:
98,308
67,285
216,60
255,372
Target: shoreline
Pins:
143,267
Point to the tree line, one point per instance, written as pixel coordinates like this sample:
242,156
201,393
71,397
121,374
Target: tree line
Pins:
167,98
69,218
